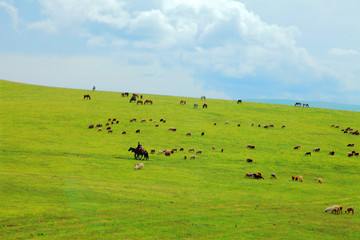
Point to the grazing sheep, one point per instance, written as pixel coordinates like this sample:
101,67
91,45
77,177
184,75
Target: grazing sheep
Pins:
117,121
333,209
356,154
199,152
160,152
319,180
227,122
249,160
213,147
91,126
301,179
137,131
258,176
139,166
108,128
332,153
110,131
109,119
188,134
99,125
273,175
308,153
191,149
185,156
123,132
112,122
266,126
192,157
350,209
316,150
152,151
99,129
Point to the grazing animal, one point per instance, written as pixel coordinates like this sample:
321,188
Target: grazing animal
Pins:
139,101
214,123
181,149
297,104
249,160
99,129
172,129
107,124
195,105
213,147
283,126
192,157
123,132
332,209
143,120
273,175
266,126
183,102
297,147
300,178
147,101
205,105
202,134
167,153
137,131
139,166
308,153
164,121
132,99
91,126
152,151
350,154
258,176
319,180
156,125
191,149
249,175
250,146
227,122
350,209
203,97
239,101
238,125
188,134
332,152
185,156
296,178
293,178
350,144
99,125
174,150
110,131
117,121
316,150
108,128
222,150
87,96
198,152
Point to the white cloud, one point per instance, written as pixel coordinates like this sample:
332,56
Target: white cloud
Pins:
343,52
13,12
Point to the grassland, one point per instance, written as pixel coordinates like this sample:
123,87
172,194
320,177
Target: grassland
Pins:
61,180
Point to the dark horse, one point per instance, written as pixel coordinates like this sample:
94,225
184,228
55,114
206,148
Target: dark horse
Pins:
133,99
87,96
139,153
297,104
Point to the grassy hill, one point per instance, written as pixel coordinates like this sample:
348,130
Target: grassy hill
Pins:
61,180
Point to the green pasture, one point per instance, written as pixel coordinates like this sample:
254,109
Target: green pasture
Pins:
61,180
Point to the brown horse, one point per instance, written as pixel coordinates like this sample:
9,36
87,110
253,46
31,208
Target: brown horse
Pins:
87,96
183,102
297,104
148,101
139,101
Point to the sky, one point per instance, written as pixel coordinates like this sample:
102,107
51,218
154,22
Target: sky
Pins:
226,49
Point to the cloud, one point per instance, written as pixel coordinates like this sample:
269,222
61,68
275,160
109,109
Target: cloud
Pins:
13,12
343,52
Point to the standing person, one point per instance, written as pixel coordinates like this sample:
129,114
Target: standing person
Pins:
94,88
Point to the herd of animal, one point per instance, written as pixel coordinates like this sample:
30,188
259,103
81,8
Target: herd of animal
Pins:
167,152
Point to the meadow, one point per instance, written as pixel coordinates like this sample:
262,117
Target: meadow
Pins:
61,180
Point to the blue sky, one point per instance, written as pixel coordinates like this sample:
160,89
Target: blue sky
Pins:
246,49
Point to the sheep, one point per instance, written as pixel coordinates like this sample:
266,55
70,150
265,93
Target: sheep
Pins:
213,147
174,150
273,175
214,123
300,178
91,126
156,125
283,126
332,153
350,209
296,147
152,151
192,157
199,152
316,150
99,129
160,152
139,166
107,124
319,180
172,129
250,146
350,144
333,209
188,134
203,133
191,149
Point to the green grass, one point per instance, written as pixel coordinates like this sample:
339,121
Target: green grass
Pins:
61,180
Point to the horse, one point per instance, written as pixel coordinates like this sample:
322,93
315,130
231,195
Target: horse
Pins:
239,101
139,101
195,105
87,96
148,101
305,105
183,102
139,153
133,99
297,104
203,97
205,105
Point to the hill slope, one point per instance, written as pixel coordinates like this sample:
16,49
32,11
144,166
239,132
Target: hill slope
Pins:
61,180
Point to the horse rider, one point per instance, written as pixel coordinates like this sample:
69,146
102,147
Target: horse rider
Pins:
139,147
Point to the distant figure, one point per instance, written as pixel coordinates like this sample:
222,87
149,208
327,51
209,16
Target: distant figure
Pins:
203,97
94,88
